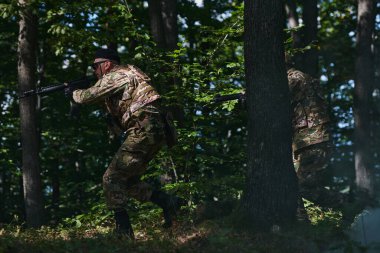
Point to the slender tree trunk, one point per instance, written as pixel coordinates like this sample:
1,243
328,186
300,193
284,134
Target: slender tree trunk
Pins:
271,192
291,10
310,19
3,195
56,191
27,48
164,28
376,98
363,92
110,30
55,185
156,26
169,21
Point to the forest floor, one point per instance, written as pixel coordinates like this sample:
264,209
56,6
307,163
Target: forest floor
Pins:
325,231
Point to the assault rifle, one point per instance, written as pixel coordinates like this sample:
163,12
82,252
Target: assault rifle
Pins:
223,98
81,83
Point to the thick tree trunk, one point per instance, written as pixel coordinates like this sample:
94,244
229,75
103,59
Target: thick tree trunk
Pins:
310,19
271,192
27,48
363,92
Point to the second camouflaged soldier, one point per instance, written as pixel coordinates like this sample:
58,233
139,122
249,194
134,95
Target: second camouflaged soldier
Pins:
311,138
133,105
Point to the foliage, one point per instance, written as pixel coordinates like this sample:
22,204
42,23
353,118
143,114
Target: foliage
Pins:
208,164
209,236
318,215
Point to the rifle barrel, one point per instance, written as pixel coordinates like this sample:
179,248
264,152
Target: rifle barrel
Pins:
223,98
49,89
79,84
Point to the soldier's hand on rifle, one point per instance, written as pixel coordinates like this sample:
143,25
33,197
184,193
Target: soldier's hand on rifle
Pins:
241,97
69,91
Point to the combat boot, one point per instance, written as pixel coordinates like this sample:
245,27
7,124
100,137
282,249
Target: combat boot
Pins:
123,224
170,205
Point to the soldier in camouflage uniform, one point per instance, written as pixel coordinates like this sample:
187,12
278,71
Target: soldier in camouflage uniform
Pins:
311,138
134,107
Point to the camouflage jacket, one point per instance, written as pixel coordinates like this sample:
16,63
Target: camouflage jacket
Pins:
310,115
125,89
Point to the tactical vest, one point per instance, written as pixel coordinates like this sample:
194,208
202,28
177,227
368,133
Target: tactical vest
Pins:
137,93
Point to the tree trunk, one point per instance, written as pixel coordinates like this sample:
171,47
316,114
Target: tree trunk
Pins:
271,192
3,195
56,193
164,28
110,28
156,26
362,95
27,48
376,99
291,9
169,21
310,19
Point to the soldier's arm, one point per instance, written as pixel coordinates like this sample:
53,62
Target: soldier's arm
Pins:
107,86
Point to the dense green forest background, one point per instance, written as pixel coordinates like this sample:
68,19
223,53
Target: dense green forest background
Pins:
209,163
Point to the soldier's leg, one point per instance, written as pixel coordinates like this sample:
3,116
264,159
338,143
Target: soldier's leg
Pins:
170,205
313,176
123,223
305,161
145,145
312,171
122,178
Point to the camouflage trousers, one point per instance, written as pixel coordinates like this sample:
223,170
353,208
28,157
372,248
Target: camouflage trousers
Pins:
143,140
311,166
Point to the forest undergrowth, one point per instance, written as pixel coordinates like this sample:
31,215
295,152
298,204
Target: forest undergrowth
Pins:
78,234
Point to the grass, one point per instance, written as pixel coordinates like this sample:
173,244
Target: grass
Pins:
326,229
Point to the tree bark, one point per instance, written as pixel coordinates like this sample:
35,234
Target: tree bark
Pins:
164,28
169,21
110,28
3,194
376,98
310,19
362,95
271,191
291,10
156,23
56,190
27,47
